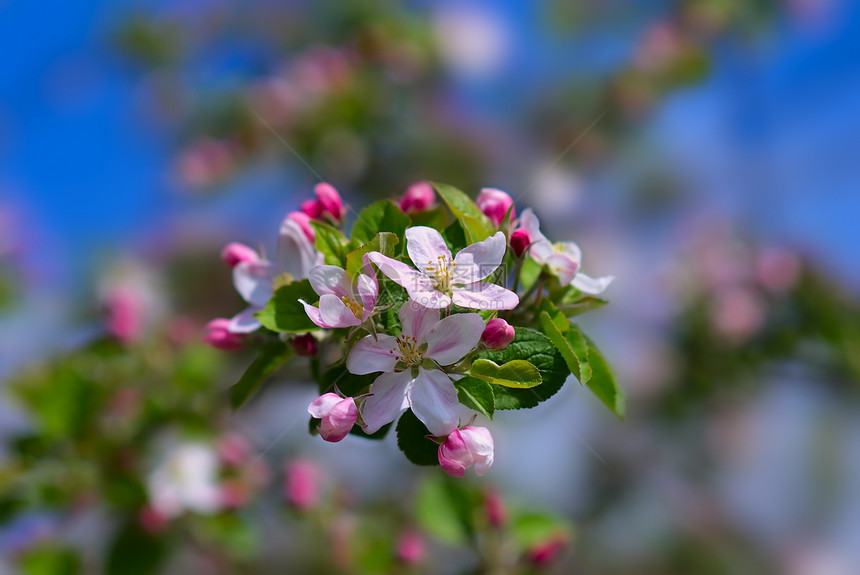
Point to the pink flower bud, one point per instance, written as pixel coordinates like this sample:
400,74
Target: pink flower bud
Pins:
520,242
417,198
234,252
547,551
218,335
312,209
498,334
410,548
304,221
494,507
495,204
305,345
338,415
464,448
300,485
329,201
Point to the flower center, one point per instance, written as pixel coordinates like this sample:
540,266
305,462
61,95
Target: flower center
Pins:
408,351
356,308
442,273
281,280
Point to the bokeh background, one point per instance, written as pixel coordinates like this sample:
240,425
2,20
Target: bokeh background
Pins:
702,151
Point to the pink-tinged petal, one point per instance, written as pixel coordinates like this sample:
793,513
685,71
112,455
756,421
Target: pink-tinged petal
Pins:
400,273
330,280
453,337
417,320
335,313
434,401
386,400
339,422
234,252
454,456
322,406
425,246
297,256
244,321
495,204
590,285
429,298
253,281
329,200
540,247
480,259
314,314
562,266
570,249
485,296
368,292
372,354
482,448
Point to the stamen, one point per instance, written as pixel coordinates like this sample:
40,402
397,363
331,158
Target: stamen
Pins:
356,308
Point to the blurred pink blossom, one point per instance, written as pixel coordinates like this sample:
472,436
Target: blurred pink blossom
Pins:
410,548
300,485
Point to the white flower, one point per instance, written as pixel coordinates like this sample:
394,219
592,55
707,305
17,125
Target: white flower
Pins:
342,303
186,479
412,367
441,279
563,259
255,280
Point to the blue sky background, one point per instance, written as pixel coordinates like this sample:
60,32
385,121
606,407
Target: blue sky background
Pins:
772,135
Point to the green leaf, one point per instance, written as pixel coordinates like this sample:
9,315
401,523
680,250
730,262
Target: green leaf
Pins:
349,384
376,436
475,230
532,529
135,552
570,342
476,394
534,347
383,242
461,205
603,383
331,242
582,304
272,356
445,509
455,237
436,218
284,313
529,273
382,216
412,440
516,373
50,560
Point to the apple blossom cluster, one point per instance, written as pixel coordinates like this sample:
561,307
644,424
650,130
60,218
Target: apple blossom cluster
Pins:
430,313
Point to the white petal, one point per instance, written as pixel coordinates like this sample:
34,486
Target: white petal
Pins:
540,247
368,292
484,295
372,354
253,281
417,320
454,337
429,298
425,245
330,280
562,266
404,275
314,314
590,285
479,260
386,400
296,254
434,401
322,406
335,313
244,321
